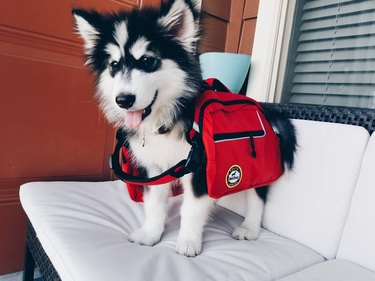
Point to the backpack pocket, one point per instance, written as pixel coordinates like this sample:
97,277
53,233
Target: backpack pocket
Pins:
242,150
235,155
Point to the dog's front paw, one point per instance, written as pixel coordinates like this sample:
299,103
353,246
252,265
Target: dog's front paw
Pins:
189,247
145,237
243,233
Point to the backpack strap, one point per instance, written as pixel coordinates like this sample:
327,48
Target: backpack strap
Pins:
182,168
216,85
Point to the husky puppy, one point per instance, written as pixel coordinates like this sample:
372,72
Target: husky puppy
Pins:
147,78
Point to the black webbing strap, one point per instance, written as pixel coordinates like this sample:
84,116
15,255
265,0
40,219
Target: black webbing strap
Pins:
177,171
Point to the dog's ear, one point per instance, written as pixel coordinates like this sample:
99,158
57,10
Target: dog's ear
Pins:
180,18
85,27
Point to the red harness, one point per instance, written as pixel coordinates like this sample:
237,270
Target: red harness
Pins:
230,135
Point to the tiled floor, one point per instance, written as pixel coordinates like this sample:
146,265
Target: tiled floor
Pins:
17,276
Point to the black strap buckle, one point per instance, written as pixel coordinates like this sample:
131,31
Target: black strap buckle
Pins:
194,159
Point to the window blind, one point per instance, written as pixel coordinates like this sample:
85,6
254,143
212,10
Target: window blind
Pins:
334,59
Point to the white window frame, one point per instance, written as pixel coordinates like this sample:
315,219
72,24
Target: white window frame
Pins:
270,50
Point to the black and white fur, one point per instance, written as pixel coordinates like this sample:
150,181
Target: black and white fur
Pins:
145,64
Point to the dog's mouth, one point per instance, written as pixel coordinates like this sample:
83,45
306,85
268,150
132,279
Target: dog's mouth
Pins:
133,119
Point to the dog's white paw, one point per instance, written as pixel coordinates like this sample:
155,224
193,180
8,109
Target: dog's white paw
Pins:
189,247
144,237
243,233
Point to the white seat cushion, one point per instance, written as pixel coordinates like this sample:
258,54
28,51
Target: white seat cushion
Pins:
334,270
358,241
84,228
310,204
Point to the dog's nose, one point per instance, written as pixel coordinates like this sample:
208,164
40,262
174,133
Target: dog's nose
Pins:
125,100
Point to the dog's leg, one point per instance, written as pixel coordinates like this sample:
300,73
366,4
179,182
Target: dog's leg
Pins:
155,205
250,228
194,214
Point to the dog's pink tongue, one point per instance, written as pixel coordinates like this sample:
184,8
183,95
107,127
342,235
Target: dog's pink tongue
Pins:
133,119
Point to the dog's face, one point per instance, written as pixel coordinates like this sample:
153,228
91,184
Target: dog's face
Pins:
144,60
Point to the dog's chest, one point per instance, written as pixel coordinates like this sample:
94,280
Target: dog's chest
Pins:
159,151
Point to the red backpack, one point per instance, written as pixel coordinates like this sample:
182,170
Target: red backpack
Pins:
230,133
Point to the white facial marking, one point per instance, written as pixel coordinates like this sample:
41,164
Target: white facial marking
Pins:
121,35
139,48
114,51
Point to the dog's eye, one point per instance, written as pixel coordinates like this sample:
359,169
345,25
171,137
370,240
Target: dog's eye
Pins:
113,66
148,63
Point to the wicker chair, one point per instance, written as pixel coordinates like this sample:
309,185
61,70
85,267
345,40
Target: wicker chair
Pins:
336,114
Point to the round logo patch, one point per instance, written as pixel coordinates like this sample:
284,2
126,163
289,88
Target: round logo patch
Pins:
234,176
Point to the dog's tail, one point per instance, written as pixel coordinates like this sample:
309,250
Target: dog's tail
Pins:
287,132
